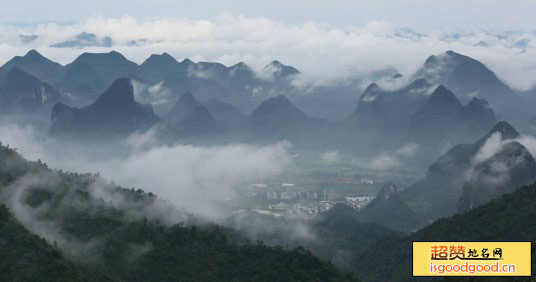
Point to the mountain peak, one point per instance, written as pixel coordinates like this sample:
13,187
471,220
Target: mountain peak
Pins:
278,111
478,103
388,190
182,108
276,63
240,65
113,115
160,59
371,87
508,169
479,111
278,101
281,70
442,95
199,122
187,61
455,57
507,131
32,60
188,98
33,54
119,93
388,209
442,103
113,55
464,74
431,60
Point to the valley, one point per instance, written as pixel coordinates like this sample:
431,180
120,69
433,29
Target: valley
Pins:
312,142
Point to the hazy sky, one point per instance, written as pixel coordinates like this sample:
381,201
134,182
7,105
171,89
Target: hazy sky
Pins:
488,14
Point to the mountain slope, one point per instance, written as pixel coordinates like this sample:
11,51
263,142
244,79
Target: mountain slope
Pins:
381,109
335,235
226,115
278,118
133,235
381,116
181,109
509,218
22,92
511,167
438,193
469,78
199,123
280,71
156,67
475,117
444,119
26,257
463,75
389,210
433,120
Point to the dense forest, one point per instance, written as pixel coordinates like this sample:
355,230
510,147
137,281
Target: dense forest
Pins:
509,218
90,238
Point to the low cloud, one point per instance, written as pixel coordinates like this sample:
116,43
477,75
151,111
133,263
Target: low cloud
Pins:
492,145
330,157
393,160
198,179
159,96
499,170
325,54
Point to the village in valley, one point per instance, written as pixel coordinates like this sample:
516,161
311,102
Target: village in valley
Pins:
314,186
299,200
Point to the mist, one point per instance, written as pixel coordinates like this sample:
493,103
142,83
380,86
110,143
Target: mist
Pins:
197,179
326,54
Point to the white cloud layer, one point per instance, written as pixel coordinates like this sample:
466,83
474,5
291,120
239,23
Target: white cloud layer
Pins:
325,53
198,179
393,160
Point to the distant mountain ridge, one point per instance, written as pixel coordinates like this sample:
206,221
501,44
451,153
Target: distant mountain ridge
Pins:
469,78
464,75
278,118
444,118
421,113
114,114
90,74
383,119
35,64
208,118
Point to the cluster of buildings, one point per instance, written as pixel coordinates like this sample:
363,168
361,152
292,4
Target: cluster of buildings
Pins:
302,210
289,200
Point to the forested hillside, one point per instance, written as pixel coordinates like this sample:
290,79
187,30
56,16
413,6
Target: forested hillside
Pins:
509,218
104,232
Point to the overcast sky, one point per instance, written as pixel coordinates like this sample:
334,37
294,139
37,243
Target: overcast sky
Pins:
328,41
488,14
